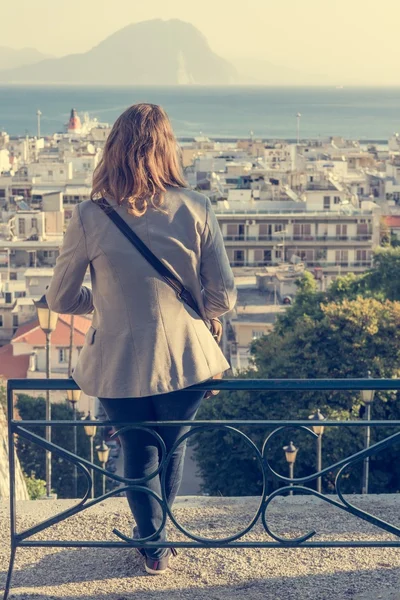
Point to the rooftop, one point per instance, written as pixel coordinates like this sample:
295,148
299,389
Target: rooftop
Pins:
32,334
210,574
42,272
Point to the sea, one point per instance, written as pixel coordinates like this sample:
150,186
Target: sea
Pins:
365,114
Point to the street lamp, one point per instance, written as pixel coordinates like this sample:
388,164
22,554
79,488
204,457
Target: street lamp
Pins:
47,322
290,453
73,397
367,397
90,431
318,429
103,452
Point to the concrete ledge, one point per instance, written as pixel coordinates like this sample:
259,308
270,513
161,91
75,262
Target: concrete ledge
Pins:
205,574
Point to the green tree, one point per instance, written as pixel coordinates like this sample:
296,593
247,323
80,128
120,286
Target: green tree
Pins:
36,487
3,395
343,339
32,456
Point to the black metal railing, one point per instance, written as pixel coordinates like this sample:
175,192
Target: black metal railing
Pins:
20,428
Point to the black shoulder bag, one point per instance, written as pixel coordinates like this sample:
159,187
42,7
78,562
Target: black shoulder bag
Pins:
181,292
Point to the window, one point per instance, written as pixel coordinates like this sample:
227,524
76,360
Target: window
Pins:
1,320
341,231
262,257
362,229
306,255
265,230
8,297
15,320
62,355
342,258
235,232
363,258
336,200
21,226
13,276
256,334
302,231
48,253
327,202
20,294
238,258
278,227
34,223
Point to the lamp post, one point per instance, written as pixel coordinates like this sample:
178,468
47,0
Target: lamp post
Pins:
90,431
367,397
103,452
38,114
290,453
73,397
318,429
48,322
298,127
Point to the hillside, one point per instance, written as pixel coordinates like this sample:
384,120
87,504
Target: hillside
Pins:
152,52
11,58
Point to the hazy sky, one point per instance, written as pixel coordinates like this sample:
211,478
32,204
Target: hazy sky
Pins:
345,38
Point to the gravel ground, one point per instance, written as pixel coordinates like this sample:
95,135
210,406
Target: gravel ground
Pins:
210,574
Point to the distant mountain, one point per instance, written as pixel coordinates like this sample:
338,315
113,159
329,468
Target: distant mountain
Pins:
152,52
257,71
10,58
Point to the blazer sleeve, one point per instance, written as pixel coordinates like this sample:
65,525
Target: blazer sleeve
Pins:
219,291
66,295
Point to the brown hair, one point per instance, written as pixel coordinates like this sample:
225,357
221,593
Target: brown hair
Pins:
140,159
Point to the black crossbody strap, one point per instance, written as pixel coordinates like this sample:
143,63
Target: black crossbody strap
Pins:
166,274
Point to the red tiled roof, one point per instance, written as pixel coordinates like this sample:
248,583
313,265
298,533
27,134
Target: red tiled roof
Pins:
31,334
13,367
26,327
393,221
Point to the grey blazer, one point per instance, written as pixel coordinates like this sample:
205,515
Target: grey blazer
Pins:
143,339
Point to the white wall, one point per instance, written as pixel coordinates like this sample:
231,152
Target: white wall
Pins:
4,160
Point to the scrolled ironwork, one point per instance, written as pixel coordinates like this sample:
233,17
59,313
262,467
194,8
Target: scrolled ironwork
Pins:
228,539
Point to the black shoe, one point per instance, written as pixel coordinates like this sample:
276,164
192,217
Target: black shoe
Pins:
160,566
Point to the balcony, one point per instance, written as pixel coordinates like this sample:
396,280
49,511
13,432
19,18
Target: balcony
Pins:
362,264
238,241
299,524
333,266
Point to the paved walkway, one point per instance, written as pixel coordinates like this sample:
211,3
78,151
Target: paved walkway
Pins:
214,574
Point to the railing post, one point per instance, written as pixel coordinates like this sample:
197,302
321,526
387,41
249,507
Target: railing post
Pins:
291,475
367,440
319,461
11,466
48,418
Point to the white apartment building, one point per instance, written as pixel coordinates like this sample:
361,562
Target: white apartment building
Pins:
392,182
51,172
320,233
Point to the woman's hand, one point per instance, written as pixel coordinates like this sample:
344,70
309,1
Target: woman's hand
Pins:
216,329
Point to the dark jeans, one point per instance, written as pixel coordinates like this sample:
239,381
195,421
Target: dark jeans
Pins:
142,453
